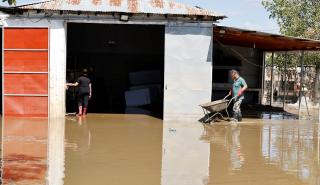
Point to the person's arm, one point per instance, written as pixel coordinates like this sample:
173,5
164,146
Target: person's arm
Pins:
90,92
73,84
244,88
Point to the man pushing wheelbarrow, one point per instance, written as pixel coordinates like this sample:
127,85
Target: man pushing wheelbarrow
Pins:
238,87
215,108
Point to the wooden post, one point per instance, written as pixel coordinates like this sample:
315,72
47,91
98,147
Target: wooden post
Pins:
285,80
318,149
263,78
272,65
318,110
301,81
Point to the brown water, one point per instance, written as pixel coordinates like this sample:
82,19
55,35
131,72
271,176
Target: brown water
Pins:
142,150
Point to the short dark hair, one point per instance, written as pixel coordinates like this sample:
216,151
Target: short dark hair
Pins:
85,72
234,71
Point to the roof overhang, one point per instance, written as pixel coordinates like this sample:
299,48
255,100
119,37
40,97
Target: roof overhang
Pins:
262,41
130,7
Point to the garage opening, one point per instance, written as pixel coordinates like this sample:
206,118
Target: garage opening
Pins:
125,65
228,57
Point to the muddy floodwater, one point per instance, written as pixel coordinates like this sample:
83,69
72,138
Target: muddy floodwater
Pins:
143,150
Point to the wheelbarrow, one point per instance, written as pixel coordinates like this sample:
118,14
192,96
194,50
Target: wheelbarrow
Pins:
213,109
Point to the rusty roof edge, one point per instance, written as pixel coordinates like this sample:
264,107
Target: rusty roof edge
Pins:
207,13
268,34
206,17
103,15
216,18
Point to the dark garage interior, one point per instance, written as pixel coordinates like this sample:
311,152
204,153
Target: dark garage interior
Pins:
228,57
125,64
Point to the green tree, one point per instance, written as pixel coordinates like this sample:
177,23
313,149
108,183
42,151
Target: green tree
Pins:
299,18
10,2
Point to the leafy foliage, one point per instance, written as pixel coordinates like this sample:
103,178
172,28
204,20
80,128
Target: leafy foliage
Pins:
298,18
10,2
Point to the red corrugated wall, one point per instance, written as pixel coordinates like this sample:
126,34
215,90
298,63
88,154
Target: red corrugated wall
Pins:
25,69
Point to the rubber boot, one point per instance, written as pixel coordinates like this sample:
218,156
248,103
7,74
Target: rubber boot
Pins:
239,117
84,111
235,117
80,111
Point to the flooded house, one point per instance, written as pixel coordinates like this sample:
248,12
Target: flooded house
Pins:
166,55
153,57
128,45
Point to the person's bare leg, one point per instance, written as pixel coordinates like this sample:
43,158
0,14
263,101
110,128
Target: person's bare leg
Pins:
80,111
85,104
84,111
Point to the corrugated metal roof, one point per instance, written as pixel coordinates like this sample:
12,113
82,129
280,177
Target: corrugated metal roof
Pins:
124,6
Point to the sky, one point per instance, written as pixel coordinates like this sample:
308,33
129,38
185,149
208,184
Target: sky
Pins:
247,14
20,2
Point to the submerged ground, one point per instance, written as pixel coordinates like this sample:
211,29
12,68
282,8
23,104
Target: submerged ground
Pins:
142,150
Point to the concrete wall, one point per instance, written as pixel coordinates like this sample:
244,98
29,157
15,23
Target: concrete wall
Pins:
188,70
57,59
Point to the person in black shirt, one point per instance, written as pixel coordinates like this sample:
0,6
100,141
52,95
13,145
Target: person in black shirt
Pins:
84,92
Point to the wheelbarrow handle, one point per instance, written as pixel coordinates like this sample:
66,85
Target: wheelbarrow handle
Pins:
230,101
226,96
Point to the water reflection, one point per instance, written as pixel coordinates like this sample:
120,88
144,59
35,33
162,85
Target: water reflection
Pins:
142,150
294,149
31,154
113,149
24,151
56,151
264,153
185,158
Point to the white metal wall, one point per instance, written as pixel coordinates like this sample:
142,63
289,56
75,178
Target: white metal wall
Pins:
188,70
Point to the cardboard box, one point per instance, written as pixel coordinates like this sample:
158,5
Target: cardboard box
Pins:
145,77
155,90
138,97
